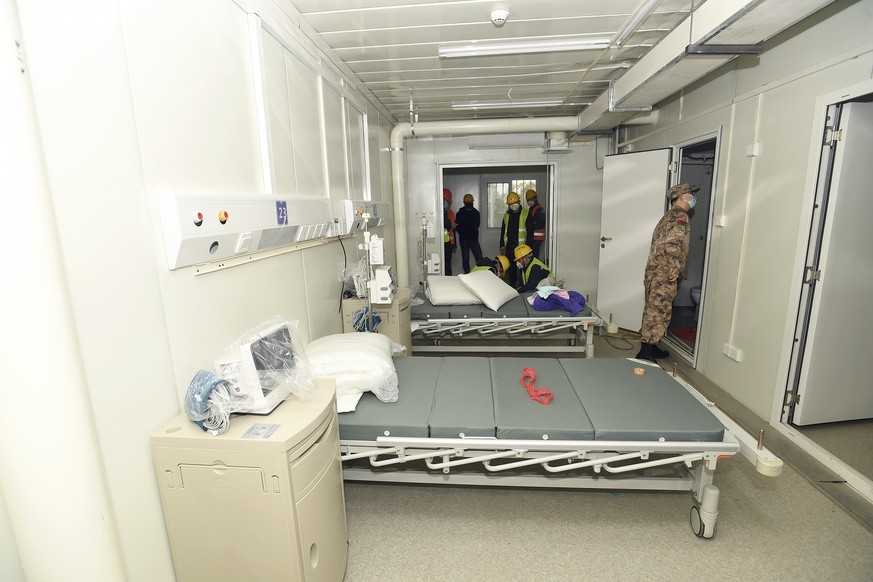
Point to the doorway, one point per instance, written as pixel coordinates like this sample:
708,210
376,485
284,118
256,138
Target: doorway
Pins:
489,186
829,396
696,166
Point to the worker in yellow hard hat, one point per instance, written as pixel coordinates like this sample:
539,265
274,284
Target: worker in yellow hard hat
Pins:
513,231
467,227
533,271
536,222
499,266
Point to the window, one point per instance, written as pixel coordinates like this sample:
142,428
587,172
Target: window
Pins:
497,192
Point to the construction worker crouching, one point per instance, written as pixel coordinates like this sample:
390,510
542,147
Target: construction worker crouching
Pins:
533,270
499,266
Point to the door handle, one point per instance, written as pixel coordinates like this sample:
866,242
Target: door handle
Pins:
605,238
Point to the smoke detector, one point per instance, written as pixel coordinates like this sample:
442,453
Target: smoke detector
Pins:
499,16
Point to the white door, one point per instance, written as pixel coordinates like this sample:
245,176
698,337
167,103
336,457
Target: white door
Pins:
633,201
835,382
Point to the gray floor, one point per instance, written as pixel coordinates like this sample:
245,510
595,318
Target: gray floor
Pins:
768,529
851,442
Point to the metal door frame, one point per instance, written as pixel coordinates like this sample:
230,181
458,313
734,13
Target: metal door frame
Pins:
675,176
853,478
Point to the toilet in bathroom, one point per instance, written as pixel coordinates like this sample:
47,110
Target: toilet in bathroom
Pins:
695,299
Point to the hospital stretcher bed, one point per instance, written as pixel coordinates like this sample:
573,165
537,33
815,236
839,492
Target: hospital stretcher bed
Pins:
469,421
516,320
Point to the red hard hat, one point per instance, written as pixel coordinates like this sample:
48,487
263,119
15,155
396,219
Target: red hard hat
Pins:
447,195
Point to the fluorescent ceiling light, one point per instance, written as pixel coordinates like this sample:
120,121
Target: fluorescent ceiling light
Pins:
724,49
482,49
507,104
634,22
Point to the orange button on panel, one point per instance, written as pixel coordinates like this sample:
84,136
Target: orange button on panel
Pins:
222,216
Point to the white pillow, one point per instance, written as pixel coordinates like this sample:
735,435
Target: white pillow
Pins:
488,287
359,362
443,290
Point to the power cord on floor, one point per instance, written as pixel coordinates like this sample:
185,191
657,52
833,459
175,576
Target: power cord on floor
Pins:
630,338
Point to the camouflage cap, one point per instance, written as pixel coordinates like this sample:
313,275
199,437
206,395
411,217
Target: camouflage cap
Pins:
679,189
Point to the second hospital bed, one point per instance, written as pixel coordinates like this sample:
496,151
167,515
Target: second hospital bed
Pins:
613,424
516,320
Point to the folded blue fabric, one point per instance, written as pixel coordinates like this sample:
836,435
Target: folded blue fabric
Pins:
574,303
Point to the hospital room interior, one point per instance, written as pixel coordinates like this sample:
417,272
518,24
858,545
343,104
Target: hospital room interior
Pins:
266,359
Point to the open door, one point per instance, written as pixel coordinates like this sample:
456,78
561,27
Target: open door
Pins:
832,381
633,201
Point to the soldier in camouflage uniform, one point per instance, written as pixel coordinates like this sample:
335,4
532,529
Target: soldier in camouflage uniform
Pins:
666,263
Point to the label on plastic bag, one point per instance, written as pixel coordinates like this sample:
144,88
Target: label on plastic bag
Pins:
261,431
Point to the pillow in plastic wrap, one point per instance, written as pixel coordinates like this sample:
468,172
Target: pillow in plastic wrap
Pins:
448,290
359,362
491,289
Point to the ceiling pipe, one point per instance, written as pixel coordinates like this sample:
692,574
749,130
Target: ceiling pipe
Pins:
403,131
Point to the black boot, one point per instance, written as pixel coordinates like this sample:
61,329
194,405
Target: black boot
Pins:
651,352
659,353
646,352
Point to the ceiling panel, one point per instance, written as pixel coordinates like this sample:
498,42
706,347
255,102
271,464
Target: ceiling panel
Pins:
392,46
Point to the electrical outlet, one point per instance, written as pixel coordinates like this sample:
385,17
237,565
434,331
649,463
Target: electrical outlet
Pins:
733,352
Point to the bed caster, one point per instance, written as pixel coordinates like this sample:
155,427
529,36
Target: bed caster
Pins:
704,516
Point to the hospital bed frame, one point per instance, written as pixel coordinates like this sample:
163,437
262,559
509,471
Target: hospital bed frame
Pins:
516,322
662,464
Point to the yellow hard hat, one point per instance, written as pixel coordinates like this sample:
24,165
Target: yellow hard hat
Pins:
504,262
468,198
530,194
522,250
513,198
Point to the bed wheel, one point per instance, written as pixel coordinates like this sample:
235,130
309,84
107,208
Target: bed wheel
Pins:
702,525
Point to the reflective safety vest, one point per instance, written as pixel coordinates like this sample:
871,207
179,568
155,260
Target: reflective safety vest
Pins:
449,235
481,268
539,234
522,226
525,275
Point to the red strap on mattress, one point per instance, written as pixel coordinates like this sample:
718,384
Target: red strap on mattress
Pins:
541,395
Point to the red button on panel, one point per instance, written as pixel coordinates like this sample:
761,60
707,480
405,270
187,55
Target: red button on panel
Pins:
198,218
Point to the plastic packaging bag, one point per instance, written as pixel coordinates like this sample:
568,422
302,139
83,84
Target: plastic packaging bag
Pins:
253,374
355,277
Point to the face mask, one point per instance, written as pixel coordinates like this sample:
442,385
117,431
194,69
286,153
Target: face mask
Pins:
693,202
445,205
531,203
514,207
519,264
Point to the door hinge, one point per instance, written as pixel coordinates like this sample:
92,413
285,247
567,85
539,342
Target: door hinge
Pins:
832,135
812,274
791,398
674,167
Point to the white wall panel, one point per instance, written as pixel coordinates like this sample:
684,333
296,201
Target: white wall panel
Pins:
356,159
305,121
335,143
321,267
10,563
279,117
191,79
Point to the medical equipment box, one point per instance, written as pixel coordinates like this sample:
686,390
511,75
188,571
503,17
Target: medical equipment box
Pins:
262,501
